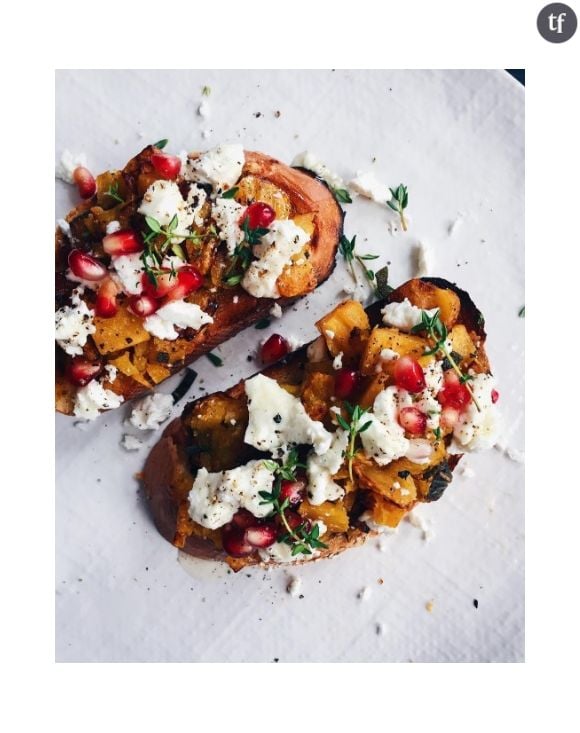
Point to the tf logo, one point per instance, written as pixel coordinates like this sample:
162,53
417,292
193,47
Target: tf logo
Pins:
557,23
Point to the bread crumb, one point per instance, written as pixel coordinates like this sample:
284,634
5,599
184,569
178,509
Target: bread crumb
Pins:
380,581
416,520
429,606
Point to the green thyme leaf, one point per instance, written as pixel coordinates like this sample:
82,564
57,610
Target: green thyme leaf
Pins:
160,144
215,360
262,323
206,91
522,312
230,193
382,280
342,195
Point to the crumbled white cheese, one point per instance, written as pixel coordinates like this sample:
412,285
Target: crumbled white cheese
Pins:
321,468
276,311
130,442
196,198
423,260
294,585
425,400
280,552
112,372
64,227
278,419
385,357
90,284
274,253
312,163
227,213
176,314
316,351
162,201
215,497
419,450
112,227
149,412
171,262
92,398
478,429
512,453
67,164
369,186
205,133
404,315
466,470
384,440
203,110
221,166
416,520
74,324
337,361
129,269
364,594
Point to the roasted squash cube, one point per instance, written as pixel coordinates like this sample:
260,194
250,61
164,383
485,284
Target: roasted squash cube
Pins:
386,480
124,364
342,328
120,332
385,512
391,338
425,295
253,188
317,390
332,513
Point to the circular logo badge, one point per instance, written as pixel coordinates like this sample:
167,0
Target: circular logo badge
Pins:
557,23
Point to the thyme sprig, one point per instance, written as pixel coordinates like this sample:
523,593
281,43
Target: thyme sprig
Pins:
347,250
342,195
242,255
354,427
113,192
436,330
302,539
399,202
158,241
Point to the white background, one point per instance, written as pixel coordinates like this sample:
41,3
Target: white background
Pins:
448,34
450,136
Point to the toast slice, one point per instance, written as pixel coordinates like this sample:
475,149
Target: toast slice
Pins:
358,363
255,232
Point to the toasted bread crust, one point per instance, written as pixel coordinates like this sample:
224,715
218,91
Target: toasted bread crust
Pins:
307,194
168,456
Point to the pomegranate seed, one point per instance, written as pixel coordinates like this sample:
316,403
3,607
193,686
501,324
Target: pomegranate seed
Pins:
454,393
143,305
408,375
166,281
85,182
123,242
494,396
261,535
244,519
80,371
413,420
167,166
188,280
106,304
259,214
85,266
449,417
275,348
293,491
234,541
345,382
294,521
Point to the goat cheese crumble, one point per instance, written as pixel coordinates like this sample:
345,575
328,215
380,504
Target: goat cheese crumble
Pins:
74,324
221,166
403,315
176,314
149,412
92,398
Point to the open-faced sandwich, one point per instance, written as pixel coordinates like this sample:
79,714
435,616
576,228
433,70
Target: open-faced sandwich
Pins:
334,442
168,258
